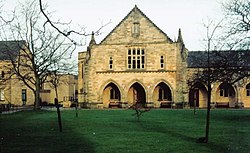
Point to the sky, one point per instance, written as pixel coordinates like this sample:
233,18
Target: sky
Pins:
168,15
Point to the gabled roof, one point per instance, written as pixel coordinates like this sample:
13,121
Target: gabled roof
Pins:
10,49
198,59
134,10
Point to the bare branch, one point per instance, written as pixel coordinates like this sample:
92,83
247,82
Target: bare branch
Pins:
69,32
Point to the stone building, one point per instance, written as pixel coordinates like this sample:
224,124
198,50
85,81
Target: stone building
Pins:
224,94
14,91
138,63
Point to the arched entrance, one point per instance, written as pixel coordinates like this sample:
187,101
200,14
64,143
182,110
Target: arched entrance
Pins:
111,95
136,94
248,89
162,94
225,95
246,96
198,95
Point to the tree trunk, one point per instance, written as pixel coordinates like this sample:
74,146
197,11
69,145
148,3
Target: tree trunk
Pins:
37,95
56,92
208,113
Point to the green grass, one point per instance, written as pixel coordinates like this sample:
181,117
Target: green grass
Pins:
111,131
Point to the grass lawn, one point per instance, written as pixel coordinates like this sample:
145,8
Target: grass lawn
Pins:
111,131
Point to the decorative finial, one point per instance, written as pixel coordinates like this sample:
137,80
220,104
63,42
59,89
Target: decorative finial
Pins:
180,40
92,41
135,8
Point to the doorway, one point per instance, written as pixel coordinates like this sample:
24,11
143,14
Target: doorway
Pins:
198,95
136,94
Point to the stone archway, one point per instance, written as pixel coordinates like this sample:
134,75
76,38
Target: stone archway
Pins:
246,96
111,94
198,95
162,95
225,95
136,94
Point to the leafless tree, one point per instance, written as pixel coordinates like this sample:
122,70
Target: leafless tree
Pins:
69,33
139,109
237,27
229,62
42,48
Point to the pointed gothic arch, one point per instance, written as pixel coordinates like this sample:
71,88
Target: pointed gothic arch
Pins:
111,94
136,94
225,93
198,95
163,94
246,96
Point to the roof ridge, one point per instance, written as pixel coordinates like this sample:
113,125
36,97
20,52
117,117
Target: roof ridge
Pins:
135,8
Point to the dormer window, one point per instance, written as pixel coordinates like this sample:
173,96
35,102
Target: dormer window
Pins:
136,29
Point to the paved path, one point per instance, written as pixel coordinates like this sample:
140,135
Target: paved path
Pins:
17,109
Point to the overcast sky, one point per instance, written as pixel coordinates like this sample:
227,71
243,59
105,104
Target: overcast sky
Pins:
168,15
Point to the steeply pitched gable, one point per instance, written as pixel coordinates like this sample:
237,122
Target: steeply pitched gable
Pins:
148,31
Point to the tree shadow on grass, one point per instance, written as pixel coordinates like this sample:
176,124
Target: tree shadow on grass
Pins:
235,118
40,135
182,136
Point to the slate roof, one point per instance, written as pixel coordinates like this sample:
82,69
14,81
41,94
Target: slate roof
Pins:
198,59
10,49
133,10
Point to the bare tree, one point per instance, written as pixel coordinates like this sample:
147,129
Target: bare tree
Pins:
69,33
237,27
231,62
204,72
139,109
40,51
